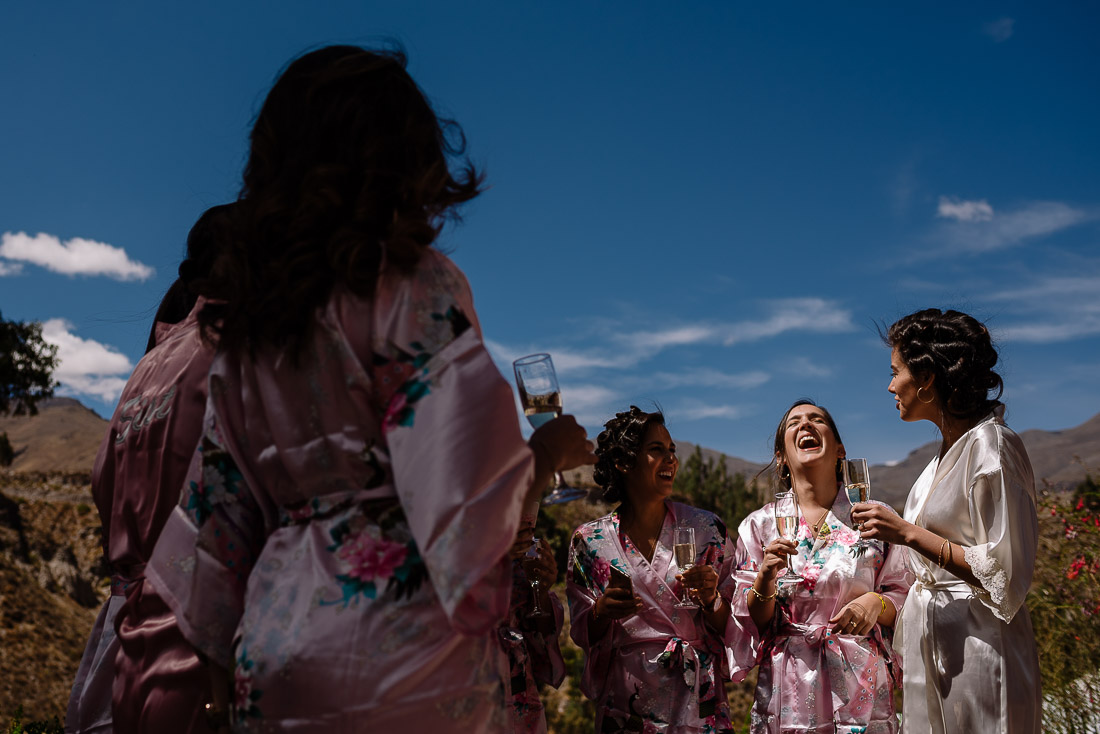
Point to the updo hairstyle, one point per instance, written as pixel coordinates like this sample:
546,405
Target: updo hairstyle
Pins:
957,350
617,448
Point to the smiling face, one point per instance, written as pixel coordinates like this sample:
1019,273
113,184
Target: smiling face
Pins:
809,440
904,386
655,467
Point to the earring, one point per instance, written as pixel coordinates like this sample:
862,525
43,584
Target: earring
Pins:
926,402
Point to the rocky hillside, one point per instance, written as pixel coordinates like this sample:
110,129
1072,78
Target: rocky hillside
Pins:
51,587
63,437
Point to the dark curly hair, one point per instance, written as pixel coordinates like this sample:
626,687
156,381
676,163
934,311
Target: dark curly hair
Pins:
202,250
957,351
617,448
783,476
348,173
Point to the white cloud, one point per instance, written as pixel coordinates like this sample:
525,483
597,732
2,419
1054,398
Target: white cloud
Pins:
693,411
1054,308
964,211
86,367
706,377
815,315
804,367
1000,30
77,256
1037,219
7,268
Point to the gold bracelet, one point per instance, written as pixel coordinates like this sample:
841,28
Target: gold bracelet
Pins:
761,597
939,556
882,599
950,557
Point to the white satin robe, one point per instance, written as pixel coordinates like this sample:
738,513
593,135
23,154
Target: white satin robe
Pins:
969,652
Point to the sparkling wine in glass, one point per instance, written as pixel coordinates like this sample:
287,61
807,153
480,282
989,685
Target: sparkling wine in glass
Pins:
683,548
540,397
530,561
857,486
786,522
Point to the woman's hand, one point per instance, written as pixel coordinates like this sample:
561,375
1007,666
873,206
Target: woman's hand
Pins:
702,580
878,522
563,444
775,559
618,600
522,542
854,618
543,569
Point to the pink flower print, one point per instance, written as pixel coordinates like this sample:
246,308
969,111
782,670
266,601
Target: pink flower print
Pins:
845,535
242,688
810,572
601,571
393,411
371,558
649,728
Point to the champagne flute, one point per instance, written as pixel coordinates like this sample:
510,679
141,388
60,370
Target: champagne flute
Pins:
541,399
683,548
857,487
786,522
530,561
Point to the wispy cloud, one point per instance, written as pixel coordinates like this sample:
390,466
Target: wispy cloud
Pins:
964,211
86,367
987,231
697,410
1000,30
805,367
77,256
1054,308
591,404
814,315
7,268
711,378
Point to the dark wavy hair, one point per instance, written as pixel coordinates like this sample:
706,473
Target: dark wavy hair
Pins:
349,172
957,351
194,270
617,448
783,476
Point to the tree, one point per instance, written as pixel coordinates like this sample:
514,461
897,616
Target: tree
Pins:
27,363
707,484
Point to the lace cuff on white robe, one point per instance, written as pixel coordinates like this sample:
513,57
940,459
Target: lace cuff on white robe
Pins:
994,580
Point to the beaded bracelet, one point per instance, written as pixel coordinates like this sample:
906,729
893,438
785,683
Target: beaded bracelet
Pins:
760,596
939,556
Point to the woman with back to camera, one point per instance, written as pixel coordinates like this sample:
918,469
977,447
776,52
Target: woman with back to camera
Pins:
146,677
972,531
650,664
823,643
341,546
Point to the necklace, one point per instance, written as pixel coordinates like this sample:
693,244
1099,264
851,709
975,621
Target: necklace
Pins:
821,531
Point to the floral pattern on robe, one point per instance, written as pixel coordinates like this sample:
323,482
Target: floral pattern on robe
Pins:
345,524
662,669
534,655
970,658
811,679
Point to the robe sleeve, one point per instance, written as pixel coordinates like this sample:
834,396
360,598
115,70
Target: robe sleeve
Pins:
894,577
544,650
586,579
460,466
206,552
720,553
746,643
1005,526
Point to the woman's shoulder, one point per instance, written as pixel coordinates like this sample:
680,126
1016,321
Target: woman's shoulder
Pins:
697,517
757,518
593,528
993,446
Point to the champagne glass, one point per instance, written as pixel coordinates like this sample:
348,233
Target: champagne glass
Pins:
857,486
541,399
683,548
786,522
530,561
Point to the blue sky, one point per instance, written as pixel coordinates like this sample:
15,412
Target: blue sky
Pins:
707,205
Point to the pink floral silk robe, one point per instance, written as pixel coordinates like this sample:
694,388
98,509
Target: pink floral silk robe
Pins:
341,544
662,669
811,680
534,656
135,482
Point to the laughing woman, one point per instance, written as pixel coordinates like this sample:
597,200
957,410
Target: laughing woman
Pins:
649,665
972,531
823,643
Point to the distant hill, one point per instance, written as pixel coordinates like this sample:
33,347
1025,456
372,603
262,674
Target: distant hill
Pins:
1062,458
63,437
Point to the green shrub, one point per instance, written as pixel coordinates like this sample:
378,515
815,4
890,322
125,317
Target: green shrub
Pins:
16,725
